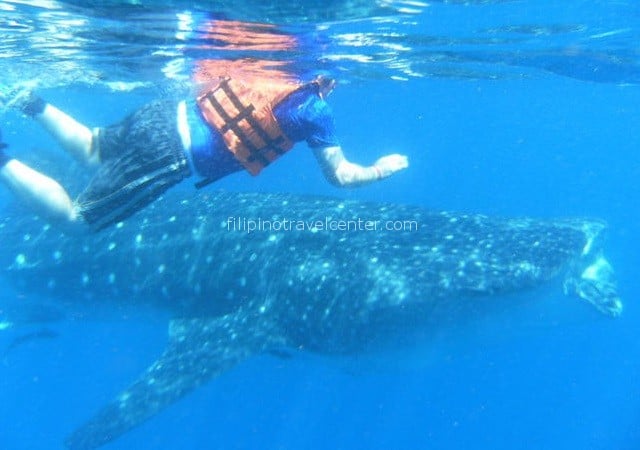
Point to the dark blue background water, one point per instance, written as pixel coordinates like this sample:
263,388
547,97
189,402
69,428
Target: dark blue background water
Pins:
547,145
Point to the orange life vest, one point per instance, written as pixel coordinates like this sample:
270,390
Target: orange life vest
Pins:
243,115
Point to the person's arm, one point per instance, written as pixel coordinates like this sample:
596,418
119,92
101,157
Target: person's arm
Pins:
343,173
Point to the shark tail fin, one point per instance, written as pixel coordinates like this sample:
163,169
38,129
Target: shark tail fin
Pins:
198,351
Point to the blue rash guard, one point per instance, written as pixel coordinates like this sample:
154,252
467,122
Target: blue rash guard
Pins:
302,116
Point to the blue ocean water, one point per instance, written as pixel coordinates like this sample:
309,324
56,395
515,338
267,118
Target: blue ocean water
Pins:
506,108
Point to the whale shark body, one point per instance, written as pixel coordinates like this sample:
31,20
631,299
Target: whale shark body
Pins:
243,274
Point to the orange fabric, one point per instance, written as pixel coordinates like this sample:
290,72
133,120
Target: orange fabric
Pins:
244,117
238,35
252,39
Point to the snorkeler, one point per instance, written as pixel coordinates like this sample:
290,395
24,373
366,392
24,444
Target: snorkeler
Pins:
234,124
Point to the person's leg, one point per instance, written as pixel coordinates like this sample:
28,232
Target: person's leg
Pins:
74,137
42,194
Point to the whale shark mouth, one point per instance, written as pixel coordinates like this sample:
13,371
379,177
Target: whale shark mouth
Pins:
596,285
592,277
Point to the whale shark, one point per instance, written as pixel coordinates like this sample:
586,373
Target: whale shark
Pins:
244,274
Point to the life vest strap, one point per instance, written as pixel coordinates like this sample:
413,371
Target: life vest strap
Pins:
232,123
206,182
245,120
246,113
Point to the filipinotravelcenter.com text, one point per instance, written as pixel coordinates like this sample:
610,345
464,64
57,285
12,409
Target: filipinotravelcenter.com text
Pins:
251,225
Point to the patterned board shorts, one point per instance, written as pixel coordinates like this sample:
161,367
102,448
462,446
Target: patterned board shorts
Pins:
142,157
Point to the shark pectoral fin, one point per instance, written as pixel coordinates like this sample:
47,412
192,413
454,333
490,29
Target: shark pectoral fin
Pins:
199,350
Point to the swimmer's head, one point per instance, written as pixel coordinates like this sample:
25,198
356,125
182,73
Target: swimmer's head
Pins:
326,85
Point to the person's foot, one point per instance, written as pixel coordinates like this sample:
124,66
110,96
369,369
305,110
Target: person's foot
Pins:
22,98
10,96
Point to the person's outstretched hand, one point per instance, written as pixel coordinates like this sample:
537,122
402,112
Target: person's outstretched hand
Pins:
390,164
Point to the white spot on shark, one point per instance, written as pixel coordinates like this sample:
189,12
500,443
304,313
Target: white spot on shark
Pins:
21,260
